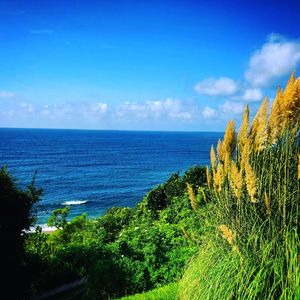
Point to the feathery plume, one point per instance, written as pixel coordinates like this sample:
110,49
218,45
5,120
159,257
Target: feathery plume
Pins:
227,163
298,89
297,106
219,177
192,197
290,102
208,177
298,166
221,151
231,237
250,182
290,89
245,153
236,180
227,234
229,138
213,159
259,127
243,131
268,206
275,122
201,190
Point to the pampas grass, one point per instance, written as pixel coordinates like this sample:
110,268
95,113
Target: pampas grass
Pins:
256,254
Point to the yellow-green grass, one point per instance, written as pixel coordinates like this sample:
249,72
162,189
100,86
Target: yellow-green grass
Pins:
252,250
168,292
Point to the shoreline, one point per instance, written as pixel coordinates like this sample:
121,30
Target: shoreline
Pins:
45,228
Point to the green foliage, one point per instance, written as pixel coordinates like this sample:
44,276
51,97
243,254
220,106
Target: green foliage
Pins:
157,199
168,292
16,216
17,202
195,175
113,221
163,195
125,251
58,217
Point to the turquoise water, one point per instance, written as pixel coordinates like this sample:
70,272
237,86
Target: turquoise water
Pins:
94,170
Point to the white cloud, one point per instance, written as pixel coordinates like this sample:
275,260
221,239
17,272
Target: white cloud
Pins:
46,110
169,108
99,108
254,94
208,113
232,108
75,110
276,58
223,112
27,107
41,31
175,109
6,94
216,86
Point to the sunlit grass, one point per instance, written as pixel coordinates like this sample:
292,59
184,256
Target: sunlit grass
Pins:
253,250
168,292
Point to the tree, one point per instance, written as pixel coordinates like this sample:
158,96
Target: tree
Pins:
16,216
58,217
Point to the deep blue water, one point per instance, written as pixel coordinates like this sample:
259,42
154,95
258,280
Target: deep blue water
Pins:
98,169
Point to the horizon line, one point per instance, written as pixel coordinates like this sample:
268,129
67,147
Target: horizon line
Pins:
98,129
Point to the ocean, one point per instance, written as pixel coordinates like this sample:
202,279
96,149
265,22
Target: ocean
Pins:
93,170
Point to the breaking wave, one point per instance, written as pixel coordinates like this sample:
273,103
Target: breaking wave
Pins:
74,202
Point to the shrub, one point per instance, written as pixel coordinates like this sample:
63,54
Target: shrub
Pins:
16,216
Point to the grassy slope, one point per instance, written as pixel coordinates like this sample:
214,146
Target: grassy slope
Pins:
168,292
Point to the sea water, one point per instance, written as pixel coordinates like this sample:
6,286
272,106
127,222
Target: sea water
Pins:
93,170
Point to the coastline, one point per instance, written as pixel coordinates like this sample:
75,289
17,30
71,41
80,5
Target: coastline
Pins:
45,228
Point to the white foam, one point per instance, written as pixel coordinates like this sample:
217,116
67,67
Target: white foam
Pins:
45,228
74,202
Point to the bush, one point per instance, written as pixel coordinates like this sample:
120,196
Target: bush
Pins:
16,217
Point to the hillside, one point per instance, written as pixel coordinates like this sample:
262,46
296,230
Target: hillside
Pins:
127,250
228,231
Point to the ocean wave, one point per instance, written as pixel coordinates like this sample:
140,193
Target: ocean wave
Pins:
74,202
45,228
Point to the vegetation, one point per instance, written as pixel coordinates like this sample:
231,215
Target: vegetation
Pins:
15,217
125,251
168,292
252,251
230,231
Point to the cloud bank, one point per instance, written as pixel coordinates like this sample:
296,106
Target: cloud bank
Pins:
216,86
98,114
6,94
169,108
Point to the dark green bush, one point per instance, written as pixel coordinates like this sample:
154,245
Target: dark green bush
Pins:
16,216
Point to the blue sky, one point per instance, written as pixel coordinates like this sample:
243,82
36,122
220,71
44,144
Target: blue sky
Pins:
142,65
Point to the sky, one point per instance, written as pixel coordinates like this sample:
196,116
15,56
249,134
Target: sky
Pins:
142,65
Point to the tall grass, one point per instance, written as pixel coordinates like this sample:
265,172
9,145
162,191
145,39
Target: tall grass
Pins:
253,249
167,292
